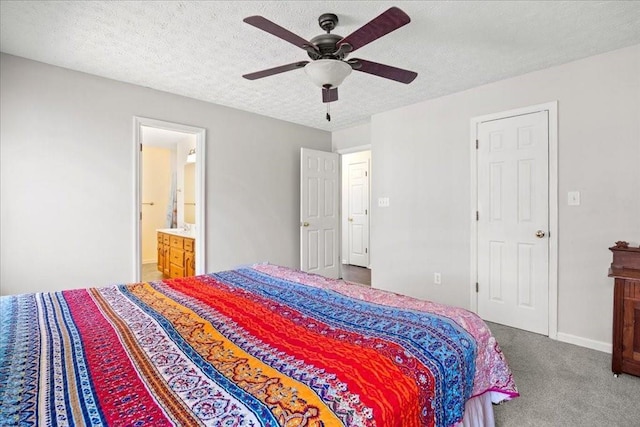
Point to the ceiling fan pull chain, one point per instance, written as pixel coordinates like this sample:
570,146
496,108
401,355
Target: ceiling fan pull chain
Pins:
328,111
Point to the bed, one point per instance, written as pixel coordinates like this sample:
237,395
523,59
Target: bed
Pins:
256,346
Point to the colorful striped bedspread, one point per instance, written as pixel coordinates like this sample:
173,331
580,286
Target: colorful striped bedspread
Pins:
258,346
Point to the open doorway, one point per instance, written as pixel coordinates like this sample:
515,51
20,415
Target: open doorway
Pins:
169,201
334,242
355,216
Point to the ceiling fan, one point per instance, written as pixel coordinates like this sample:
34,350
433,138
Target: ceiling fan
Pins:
328,66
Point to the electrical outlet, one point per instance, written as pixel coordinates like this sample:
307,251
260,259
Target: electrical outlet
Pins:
383,202
573,198
437,279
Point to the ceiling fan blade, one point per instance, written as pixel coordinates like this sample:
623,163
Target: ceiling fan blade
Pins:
381,70
387,22
270,27
275,70
329,95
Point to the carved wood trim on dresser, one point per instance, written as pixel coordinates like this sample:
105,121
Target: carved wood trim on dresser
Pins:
625,269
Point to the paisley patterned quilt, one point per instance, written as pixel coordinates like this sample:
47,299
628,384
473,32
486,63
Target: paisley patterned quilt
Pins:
258,346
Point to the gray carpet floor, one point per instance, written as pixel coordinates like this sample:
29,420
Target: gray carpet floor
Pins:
562,384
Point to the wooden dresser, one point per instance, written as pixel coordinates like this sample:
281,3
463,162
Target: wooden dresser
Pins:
625,269
176,255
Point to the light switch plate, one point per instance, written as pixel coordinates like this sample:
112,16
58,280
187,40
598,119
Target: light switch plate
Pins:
573,198
383,202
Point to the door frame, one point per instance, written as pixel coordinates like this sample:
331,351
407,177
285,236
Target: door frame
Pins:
552,109
200,135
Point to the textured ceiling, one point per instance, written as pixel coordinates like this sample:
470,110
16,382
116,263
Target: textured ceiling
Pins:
201,49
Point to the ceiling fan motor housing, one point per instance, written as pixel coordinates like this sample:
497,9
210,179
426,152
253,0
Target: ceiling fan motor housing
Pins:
326,45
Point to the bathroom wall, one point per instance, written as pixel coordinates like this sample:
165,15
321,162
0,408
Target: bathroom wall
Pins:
156,187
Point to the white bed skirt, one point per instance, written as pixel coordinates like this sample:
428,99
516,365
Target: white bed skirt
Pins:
478,411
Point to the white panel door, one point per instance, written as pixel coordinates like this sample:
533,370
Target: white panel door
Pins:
513,221
357,207
319,213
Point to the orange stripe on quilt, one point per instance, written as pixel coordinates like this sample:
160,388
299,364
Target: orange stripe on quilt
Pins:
292,402
378,381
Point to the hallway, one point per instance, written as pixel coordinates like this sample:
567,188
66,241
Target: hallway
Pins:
355,274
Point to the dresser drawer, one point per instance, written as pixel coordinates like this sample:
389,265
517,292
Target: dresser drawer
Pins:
160,238
188,245
176,271
176,242
166,239
176,256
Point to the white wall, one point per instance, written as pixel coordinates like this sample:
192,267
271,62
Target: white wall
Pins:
354,136
421,161
66,178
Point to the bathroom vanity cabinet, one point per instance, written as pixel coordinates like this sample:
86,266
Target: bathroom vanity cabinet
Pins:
176,254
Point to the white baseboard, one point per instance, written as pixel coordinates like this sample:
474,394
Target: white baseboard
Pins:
585,342
149,261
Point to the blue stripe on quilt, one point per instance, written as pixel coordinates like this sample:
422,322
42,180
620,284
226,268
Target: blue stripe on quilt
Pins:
18,361
58,412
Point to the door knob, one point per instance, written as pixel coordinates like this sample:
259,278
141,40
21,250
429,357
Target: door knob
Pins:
540,234
305,224
350,219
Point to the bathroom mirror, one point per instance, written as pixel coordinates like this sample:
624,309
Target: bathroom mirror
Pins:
190,193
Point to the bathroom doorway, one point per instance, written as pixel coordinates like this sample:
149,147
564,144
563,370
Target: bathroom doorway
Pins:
169,222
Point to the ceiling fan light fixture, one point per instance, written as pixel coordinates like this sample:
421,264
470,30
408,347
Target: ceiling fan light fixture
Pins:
323,72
